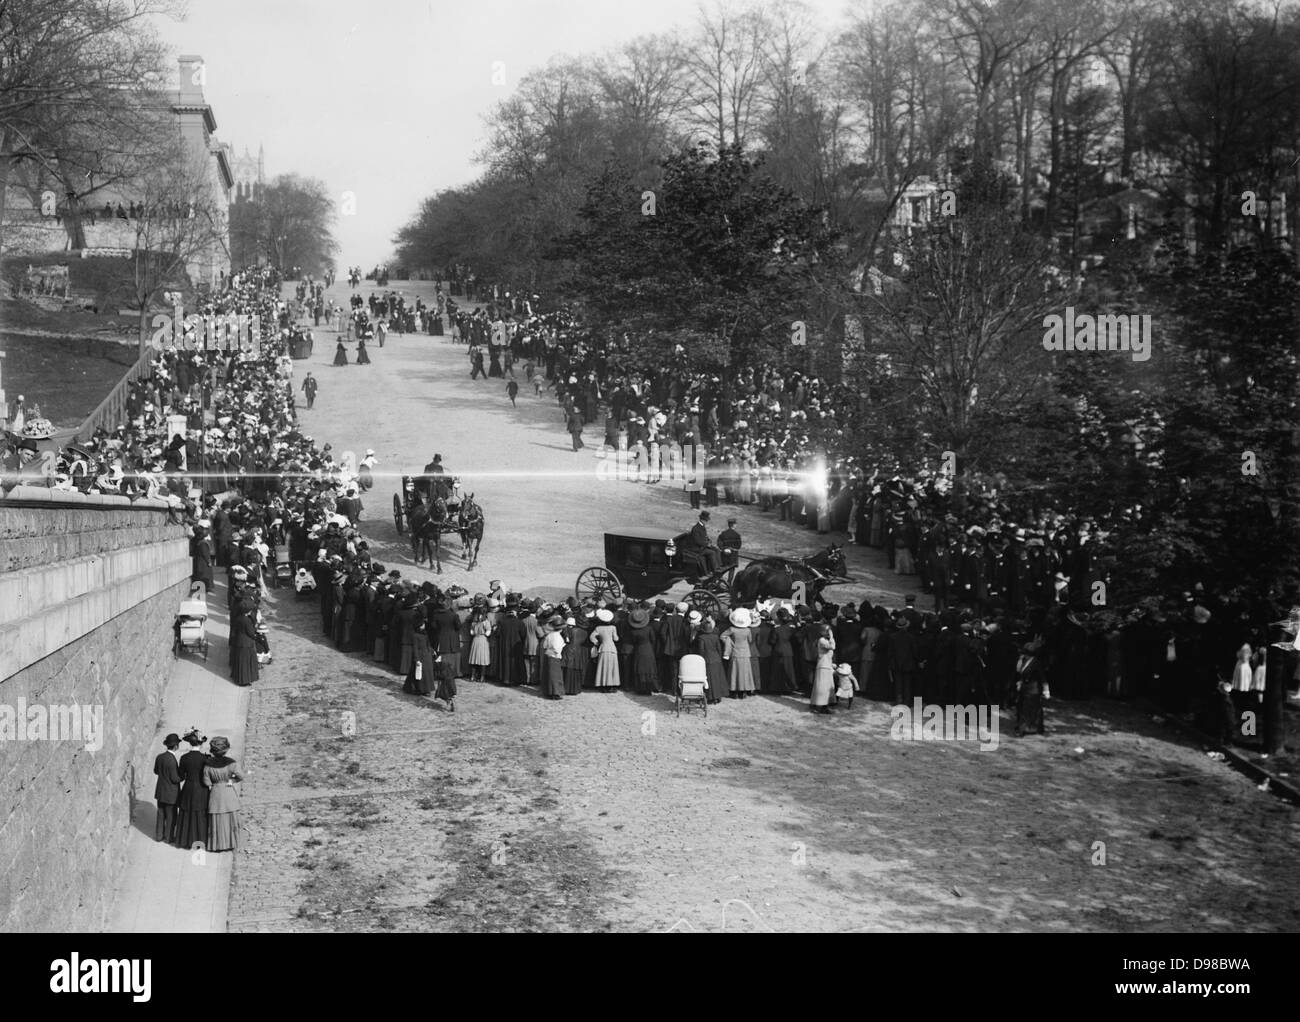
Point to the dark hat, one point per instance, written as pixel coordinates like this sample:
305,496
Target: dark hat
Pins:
704,516
638,617
909,600
732,521
172,740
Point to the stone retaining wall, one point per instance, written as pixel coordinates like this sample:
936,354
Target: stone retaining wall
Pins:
88,590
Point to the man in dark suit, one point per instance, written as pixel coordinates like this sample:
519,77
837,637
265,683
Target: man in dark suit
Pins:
309,384
903,661
729,541
167,792
708,553
672,641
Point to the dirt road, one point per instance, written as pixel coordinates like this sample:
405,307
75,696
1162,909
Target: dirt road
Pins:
366,808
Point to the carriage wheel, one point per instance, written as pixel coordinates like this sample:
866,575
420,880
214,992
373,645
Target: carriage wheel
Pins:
706,602
595,583
397,514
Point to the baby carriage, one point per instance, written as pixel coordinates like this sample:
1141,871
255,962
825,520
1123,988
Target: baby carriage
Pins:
304,582
190,628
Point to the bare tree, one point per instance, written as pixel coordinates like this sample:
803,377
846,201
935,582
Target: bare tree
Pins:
181,229
725,65
65,66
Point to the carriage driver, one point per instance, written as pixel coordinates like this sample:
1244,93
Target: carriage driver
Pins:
709,554
729,540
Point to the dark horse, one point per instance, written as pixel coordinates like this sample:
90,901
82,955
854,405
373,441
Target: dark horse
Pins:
428,523
776,577
469,520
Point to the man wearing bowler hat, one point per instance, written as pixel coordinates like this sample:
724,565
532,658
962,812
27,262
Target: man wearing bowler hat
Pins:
167,792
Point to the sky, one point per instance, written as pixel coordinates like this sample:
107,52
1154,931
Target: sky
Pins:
386,98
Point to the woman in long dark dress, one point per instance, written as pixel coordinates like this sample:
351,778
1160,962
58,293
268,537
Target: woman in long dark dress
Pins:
340,355
781,680
642,663
577,658
243,643
203,554
444,640
708,645
363,357
192,810
420,678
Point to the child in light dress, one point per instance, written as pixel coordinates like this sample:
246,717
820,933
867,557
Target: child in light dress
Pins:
846,686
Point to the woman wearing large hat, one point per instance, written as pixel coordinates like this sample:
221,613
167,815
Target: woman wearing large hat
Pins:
643,666
576,657
220,777
552,680
707,644
192,810
605,640
739,650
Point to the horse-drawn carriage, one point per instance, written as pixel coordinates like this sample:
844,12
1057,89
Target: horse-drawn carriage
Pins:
430,506
643,562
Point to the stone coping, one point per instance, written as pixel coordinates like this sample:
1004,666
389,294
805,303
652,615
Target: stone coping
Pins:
43,496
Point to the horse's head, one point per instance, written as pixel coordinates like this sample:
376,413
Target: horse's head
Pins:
835,561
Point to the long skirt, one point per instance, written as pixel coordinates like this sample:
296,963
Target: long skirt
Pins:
574,675
903,562
645,675
716,672
243,666
823,685
552,677
192,825
742,674
781,679
223,832
480,653
446,685
1029,710
607,670
421,678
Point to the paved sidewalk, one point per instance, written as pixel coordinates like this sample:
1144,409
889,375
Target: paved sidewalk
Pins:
166,889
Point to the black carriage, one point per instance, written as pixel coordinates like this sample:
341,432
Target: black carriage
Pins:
643,562
418,490
404,503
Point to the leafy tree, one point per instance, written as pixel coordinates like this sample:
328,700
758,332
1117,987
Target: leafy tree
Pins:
726,263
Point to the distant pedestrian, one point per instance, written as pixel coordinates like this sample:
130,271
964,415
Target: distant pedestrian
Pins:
309,387
512,388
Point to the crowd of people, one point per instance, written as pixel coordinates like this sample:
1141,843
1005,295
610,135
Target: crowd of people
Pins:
999,565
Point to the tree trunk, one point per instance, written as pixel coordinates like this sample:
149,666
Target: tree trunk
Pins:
5,163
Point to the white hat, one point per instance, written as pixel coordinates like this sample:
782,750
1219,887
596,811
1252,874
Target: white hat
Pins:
696,617
604,615
740,618
682,608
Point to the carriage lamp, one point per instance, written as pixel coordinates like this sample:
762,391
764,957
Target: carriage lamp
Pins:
670,549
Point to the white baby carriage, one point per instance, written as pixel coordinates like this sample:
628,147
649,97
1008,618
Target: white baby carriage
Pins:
692,683
190,628
304,582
